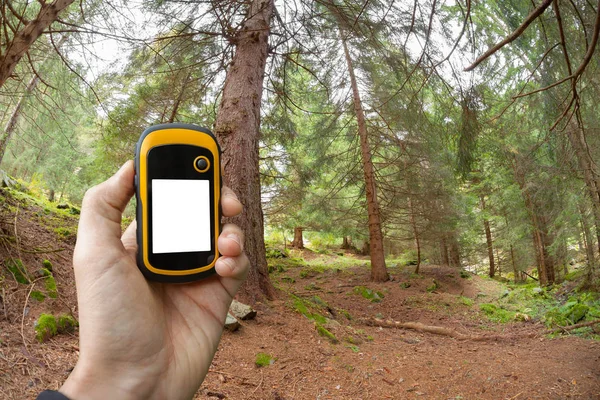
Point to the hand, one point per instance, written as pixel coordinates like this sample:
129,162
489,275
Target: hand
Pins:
140,339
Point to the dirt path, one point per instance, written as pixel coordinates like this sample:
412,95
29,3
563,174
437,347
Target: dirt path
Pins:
398,364
367,362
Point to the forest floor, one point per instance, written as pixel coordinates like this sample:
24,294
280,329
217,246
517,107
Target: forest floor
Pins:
315,338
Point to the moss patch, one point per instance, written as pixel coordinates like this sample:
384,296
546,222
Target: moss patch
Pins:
326,334
46,264
263,360
37,295
66,323
496,314
369,294
45,327
18,270
51,289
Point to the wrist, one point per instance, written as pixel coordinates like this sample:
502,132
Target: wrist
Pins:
86,383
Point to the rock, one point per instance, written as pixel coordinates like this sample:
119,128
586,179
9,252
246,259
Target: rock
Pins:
231,324
242,311
537,290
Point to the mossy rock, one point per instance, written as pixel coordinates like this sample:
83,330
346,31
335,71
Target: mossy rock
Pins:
18,270
326,334
45,327
578,313
433,287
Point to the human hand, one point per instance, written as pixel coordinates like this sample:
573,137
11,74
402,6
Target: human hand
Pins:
141,339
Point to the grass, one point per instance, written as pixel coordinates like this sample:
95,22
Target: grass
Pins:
496,313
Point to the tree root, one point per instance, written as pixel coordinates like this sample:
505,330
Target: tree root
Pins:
439,330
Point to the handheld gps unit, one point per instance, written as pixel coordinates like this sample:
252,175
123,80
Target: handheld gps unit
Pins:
178,191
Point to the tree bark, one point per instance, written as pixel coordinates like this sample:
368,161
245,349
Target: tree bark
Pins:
591,175
378,268
24,38
237,127
298,242
413,223
346,243
514,264
488,238
444,251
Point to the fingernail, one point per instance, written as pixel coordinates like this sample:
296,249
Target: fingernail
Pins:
229,262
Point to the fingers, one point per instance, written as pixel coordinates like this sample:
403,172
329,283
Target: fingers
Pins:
129,239
233,264
230,204
102,209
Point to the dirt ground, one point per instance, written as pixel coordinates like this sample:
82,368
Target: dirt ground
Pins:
367,363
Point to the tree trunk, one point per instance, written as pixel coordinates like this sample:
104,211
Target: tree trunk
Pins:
444,251
366,248
346,243
23,39
413,223
454,253
514,264
378,268
488,238
587,236
591,175
298,242
237,127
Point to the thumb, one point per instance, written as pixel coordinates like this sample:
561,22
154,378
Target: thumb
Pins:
102,209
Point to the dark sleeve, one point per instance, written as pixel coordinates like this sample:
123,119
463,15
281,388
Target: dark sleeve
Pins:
51,395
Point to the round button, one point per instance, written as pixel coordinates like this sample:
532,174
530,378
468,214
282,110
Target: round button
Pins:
201,164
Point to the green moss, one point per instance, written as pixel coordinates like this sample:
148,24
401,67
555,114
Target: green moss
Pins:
37,295
45,272
464,274
433,287
65,232
405,285
326,334
47,265
301,307
66,323
345,313
354,348
466,301
263,360
496,314
288,279
369,294
45,327
18,270
370,338
51,289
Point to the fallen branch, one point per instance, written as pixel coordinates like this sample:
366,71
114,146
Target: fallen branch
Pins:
573,327
438,330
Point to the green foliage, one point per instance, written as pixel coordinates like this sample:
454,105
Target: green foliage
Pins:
497,314
578,308
464,274
45,327
263,360
308,309
369,294
18,270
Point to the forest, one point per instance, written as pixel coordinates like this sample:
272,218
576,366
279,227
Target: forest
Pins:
436,159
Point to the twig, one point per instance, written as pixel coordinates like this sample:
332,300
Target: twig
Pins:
514,35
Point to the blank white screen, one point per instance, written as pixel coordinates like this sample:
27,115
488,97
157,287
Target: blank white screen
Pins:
180,216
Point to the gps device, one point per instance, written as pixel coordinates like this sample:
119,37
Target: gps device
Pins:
178,190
